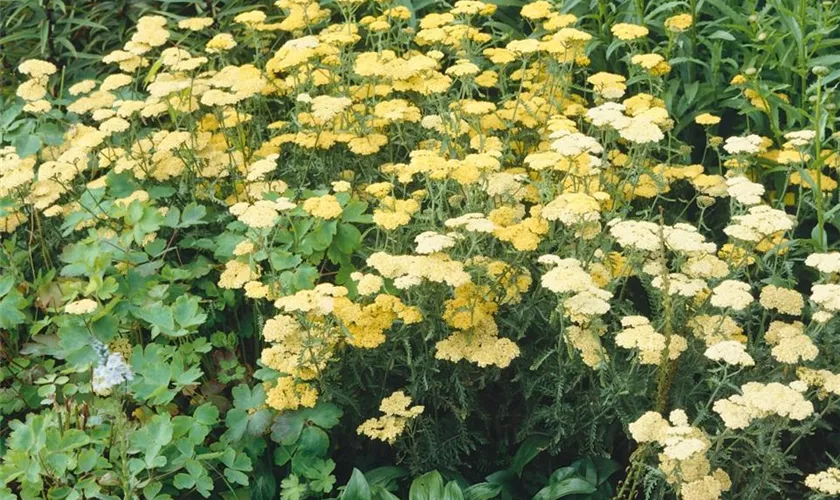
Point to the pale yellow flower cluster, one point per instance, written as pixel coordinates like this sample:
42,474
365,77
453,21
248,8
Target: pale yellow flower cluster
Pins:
780,299
827,481
397,415
758,401
730,352
653,347
583,301
34,90
325,207
683,457
790,343
82,306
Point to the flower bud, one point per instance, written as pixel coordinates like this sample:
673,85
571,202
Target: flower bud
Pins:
819,70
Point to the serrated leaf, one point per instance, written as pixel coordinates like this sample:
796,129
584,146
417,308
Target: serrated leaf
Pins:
206,414
192,215
324,415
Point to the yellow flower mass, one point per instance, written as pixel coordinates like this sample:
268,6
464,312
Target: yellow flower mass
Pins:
331,200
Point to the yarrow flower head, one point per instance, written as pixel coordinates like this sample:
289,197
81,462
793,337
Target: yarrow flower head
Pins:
706,119
83,306
747,145
827,481
679,23
397,415
627,31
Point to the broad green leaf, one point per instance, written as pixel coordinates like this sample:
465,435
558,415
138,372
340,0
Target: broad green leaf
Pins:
357,488
192,215
324,415
528,450
187,312
566,487
482,491
452,492
429,486
206,414
313,441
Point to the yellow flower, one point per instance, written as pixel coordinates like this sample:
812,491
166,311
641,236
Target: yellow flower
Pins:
536,10
220,43
36,68
37,107
83,306
31,90
526,46
250,18
679,23
827,481
707,119
325,207
287,394
647,61
626,31
397,416
195,23
82,87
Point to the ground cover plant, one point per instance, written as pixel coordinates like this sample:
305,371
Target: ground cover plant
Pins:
375,250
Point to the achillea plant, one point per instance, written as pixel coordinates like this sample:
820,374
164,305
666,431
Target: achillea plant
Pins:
290,219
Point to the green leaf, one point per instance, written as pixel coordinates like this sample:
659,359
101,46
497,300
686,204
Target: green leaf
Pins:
187,312
292,489
566,487
320,475
347,238
240,420
183,481
72,439
206,414
304,277
527,451
235,476
160,430
281,259
287,428
283,454
452,492
160,318
324,415
192,215
86,460
321,237
385,476
313,441
6,284
237,465
721,35
27,145
357,488
429,486
482,491
236,421
152,489
11,310
354,212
